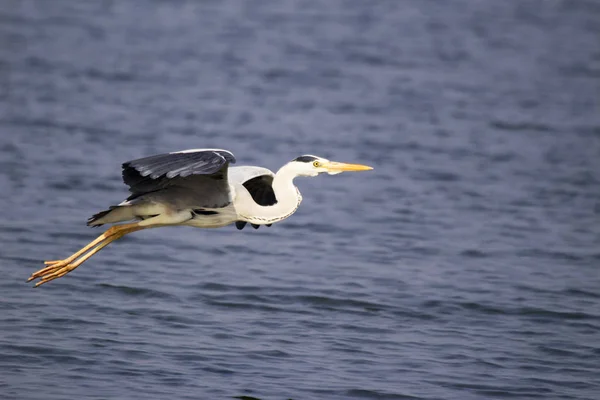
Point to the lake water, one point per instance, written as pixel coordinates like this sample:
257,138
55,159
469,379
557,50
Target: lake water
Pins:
466,265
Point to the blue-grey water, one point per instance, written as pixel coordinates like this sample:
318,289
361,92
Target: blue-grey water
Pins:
466,265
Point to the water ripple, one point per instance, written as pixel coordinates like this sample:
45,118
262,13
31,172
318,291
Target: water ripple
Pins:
464,266
137,291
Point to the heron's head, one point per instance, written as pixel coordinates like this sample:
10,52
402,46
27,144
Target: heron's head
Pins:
309,165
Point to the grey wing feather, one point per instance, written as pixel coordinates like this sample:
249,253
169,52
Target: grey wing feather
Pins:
184,163
194,177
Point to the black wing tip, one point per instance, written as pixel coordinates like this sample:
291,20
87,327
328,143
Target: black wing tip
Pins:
240,224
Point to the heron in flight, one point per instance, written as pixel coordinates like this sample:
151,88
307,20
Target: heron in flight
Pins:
198,188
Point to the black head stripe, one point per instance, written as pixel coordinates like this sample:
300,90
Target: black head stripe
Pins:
306,159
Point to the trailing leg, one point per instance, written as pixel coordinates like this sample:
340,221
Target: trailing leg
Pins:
58,268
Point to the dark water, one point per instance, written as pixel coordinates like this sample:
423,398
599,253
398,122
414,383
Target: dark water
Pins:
465,266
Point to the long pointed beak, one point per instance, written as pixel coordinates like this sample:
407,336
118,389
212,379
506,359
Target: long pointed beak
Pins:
337,167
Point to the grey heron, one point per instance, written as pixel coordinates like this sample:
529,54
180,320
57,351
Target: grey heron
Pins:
197,187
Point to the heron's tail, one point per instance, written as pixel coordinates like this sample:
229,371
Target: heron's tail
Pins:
112,215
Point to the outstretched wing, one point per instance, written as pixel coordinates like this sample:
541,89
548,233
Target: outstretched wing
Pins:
259,182
198,175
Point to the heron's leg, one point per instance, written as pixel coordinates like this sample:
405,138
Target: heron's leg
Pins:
58,272
62,267
111,234
108,233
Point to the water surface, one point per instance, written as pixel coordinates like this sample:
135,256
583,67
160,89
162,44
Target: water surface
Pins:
465,266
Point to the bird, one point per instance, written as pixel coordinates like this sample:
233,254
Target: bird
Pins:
198,188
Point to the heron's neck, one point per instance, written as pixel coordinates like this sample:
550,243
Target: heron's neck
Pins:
287,195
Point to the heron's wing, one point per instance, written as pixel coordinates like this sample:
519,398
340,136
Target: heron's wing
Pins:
198,176
181,163
241,174
261,190
259,182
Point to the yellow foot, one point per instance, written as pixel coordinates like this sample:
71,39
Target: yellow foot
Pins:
51,267
52,272
62,267
57,268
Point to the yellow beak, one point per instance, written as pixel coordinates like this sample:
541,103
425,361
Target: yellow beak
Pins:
336,167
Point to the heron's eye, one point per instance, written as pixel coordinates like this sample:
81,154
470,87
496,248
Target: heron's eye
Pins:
316,164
